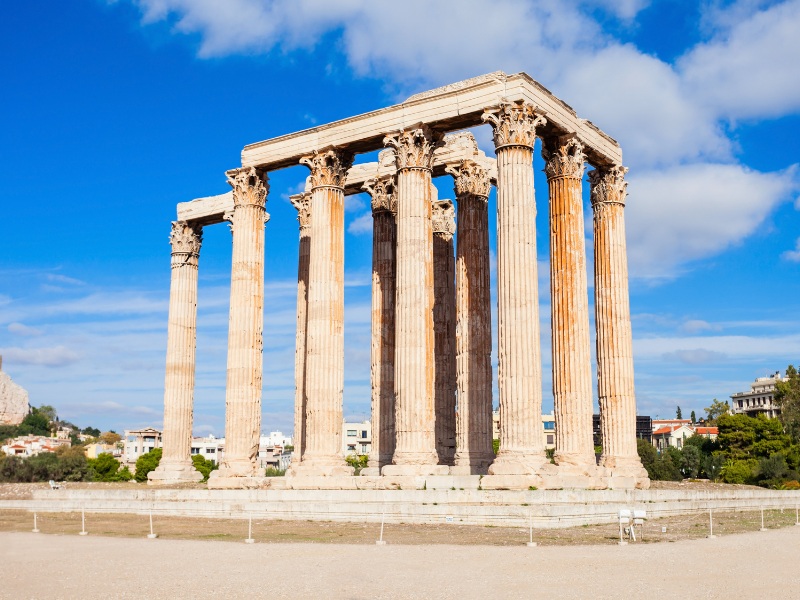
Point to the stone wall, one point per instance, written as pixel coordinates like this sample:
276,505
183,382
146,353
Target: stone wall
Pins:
13,401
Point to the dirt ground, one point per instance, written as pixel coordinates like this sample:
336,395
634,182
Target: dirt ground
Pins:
749,565
274,531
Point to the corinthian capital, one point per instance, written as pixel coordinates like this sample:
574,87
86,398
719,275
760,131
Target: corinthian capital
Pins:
514,123
186,240
328,167
302,202
609,185
470,178
443,219
384,194
249,186
414,147
563,157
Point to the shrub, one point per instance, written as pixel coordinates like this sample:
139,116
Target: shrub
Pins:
791,485
357,461
146,463
739,471
204,465
273,472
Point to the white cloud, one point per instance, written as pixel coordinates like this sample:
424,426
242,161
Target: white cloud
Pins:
354,202
58,278
57,356
699,210
361,225
20,329
698,356
698,325
750,68
793,255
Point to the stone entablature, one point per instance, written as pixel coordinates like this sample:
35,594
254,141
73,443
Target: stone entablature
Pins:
431,313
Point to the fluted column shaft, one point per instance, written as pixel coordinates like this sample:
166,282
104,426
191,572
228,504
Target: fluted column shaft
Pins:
325,329
615,384
414,365
246,325
519,355
384,247
302,203
473,320
176,460
572,388
444,330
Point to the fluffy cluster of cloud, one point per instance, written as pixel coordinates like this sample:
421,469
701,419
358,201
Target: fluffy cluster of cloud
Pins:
671,119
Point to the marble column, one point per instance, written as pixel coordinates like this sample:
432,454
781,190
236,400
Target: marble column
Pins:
615,389
322,452
415,447
519,354
245,330
444,329
569,297
302,202
384,266
473,319
176,461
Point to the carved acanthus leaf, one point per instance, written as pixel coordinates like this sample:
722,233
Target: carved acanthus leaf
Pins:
384,194
414,147
563,158
470,178
186,238
443,217
328,167
514,123
609,185
250,186
302,202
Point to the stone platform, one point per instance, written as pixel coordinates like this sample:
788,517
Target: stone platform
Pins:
544,508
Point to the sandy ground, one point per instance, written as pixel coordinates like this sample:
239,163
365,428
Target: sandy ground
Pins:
750,565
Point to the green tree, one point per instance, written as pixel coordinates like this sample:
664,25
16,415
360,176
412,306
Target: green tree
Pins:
787,396
740,471
693,417
678,413
357,461
647,454
109,437
691,461
106,468
712,466
49,413
34,423
204,465
496,446
72,464
772,471
92,431
716,410
146,463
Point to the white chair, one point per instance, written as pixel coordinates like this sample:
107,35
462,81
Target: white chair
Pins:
639,517
54,485
624,524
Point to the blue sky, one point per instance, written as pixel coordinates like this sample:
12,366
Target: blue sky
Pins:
113,112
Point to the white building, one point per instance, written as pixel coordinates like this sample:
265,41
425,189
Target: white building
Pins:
209,447
548,428
356,438
31,445
140,441
760,399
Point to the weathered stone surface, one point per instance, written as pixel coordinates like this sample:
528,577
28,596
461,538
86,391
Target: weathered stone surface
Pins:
384,271
444,329
519,371
615,385
14,405
245,332
176,461
572,369
324,367
302,202
415,446
473,320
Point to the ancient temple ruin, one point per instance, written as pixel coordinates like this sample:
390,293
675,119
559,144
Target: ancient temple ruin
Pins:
431,313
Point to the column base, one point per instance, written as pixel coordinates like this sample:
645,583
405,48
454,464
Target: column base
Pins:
321,466
413,470
169,473
518,463
471,464
236,474
626,472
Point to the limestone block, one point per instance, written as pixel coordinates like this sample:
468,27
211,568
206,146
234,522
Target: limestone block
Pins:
14,405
